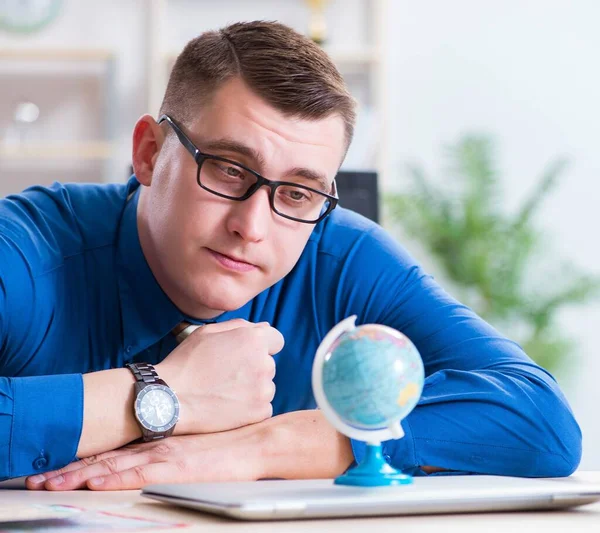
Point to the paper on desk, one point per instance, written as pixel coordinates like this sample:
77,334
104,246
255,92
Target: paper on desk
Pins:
21,513
68,519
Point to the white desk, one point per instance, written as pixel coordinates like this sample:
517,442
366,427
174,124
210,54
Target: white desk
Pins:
586,518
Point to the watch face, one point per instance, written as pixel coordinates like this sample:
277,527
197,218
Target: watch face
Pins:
157,408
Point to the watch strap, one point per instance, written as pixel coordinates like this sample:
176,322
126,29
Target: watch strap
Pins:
145,373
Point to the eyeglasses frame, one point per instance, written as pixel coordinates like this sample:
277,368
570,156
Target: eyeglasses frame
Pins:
261,181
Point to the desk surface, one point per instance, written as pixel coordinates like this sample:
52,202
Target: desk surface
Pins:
130,503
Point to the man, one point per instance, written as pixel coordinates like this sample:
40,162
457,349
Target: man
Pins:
229,223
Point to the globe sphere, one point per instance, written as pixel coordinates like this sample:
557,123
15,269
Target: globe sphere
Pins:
372,377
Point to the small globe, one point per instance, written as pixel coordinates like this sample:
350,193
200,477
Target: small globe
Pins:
371,377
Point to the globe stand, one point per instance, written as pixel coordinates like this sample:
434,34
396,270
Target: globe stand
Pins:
380,404
373,471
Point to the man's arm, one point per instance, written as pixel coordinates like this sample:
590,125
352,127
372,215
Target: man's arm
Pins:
298,445
41,417
28,442
187,370
47,421
486,406
304,445
503,420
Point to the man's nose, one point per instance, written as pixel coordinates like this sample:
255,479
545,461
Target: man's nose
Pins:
251,218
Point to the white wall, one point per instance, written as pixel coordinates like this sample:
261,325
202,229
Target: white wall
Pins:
528,72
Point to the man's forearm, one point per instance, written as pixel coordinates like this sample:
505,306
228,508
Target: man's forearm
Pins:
303,444
108,419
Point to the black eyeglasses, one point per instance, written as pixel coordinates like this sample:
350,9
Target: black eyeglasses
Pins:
234,181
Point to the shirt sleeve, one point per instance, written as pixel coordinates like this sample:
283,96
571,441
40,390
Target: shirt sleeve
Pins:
40,416
486,407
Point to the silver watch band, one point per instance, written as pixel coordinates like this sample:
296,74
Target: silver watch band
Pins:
145,373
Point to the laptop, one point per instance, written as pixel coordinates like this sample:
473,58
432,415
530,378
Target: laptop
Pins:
281,499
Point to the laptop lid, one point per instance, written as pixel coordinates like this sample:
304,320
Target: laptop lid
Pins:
280,499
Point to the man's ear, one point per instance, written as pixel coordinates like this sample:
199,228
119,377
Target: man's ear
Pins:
148,138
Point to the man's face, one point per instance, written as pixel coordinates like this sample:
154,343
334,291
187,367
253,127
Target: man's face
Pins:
211,254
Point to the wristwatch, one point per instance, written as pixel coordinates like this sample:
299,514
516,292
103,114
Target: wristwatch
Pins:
156,406
183,330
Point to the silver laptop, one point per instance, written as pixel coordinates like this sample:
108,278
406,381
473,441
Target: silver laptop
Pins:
279,499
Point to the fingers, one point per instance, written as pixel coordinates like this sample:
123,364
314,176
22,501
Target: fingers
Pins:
74,475
275,340
137,477
267,393
217,327
37,482
228,325
105,467
269,368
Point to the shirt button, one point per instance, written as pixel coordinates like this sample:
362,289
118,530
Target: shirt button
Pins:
387,457
40,462
128,349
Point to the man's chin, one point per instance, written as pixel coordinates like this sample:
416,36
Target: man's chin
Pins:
219,293
222,301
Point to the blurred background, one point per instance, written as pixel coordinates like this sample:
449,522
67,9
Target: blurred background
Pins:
477,143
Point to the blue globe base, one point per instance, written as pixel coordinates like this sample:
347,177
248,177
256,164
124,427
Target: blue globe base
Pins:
373,471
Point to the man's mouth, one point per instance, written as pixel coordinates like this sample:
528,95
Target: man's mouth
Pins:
231,262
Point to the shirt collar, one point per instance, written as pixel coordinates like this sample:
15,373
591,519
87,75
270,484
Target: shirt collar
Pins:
148,315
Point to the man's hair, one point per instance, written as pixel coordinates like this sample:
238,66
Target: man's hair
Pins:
284,68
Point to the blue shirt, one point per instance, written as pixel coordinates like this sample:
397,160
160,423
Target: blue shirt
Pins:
77,295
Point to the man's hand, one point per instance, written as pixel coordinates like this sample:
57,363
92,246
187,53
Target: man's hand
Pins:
292,446
223,375
223,456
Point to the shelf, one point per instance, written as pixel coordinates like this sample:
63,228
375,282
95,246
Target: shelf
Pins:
30,62
58,150
57,54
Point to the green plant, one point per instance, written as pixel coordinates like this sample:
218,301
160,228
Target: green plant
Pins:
492,257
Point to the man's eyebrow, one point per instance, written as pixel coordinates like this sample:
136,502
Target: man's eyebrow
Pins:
229,145
309,174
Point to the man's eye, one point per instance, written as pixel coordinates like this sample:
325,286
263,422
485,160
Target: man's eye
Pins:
233,172
297,195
